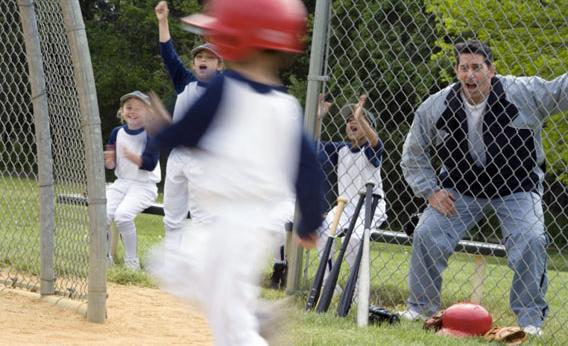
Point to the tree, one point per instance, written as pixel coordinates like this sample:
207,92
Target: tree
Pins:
527,38
123,40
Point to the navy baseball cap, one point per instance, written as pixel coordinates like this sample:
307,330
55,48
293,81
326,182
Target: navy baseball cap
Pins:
207,46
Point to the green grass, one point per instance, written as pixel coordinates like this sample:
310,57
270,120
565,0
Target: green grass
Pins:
19,245
389,288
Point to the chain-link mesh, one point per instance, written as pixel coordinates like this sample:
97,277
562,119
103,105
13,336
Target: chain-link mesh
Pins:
19,202
398,53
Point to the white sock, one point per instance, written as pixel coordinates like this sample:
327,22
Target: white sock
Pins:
128,232
172,239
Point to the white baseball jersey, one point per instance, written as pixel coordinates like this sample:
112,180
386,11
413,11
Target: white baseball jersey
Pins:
181,166
249,143
136,141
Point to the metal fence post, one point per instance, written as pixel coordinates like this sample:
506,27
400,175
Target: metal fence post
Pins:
319,38
43,146
91,124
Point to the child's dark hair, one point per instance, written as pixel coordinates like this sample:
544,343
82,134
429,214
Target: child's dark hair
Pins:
474,47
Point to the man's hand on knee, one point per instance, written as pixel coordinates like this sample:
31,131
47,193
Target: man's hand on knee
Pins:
443,201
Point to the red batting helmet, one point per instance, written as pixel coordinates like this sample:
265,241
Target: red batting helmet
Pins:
237,27
465,319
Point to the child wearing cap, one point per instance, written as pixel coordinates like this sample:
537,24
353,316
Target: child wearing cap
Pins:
137,172
189,86
247,131
355,162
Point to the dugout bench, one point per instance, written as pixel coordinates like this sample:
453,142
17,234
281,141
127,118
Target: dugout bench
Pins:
479,249
81,200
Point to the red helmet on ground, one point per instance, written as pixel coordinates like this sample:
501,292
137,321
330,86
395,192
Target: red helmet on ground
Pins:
465,319
237,27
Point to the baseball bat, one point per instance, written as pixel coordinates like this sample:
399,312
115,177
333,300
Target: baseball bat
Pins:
365,274
346,299
329,287
478,278
318,279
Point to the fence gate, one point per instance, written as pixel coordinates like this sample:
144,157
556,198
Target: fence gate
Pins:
51,144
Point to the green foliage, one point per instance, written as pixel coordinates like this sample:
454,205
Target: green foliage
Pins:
382,48
123,40
527,38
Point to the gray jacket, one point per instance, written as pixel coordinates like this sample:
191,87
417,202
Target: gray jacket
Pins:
535,98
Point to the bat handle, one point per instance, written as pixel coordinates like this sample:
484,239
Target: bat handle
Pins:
341,202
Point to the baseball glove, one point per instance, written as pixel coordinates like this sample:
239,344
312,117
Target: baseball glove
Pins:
434,323
507,335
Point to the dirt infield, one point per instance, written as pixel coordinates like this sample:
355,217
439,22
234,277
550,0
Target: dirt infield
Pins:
136,316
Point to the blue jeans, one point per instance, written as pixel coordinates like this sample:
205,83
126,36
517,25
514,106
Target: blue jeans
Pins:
522,226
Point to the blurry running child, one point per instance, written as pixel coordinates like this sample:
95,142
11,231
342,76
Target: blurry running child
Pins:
249,141
189,85
137,171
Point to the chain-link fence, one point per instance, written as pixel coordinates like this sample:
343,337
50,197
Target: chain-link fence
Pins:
47,149
398,53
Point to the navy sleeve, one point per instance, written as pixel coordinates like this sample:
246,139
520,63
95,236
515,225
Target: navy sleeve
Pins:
328,152
308,189
113,134
179,74
375,154
150,156
328,156
189,130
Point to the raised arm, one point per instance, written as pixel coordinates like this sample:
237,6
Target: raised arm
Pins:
162,13
179,74
370,133
323,108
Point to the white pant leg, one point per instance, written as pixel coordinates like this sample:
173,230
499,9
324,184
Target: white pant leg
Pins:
232,286
114,195
219,266
192,171
176,198
379,217
138,197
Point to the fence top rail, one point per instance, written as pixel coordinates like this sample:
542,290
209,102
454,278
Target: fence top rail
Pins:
466,246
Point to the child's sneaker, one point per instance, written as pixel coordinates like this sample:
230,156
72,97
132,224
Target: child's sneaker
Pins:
533,330
412,315
132,263
278,278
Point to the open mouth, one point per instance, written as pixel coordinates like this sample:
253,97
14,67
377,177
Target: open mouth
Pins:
202,67
471,86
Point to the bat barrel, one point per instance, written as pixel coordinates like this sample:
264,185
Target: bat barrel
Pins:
364,270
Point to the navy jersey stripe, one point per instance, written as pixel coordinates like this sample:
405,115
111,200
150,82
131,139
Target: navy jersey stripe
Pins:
189,130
